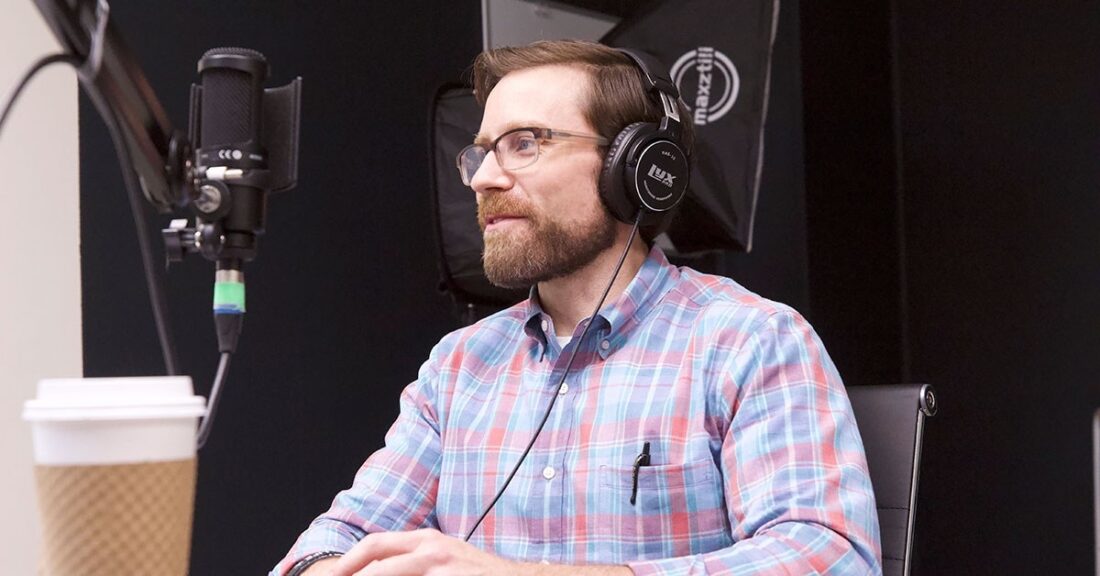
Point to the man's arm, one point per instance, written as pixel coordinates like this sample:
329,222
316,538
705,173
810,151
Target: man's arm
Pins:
796,483
324,568
429,551
394,490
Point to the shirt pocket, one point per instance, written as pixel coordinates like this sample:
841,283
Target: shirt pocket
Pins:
679,509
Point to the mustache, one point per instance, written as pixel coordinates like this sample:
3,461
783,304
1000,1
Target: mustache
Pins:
499,204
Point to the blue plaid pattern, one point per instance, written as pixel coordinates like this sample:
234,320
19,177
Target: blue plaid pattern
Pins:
756,464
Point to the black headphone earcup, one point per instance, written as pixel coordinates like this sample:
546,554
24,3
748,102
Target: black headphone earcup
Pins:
613,189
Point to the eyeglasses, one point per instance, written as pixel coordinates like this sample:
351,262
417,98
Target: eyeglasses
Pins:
515,149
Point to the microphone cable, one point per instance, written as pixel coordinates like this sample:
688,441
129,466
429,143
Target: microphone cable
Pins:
33,71
207,423
153,280
572,356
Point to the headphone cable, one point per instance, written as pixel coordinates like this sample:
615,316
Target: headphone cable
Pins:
557,392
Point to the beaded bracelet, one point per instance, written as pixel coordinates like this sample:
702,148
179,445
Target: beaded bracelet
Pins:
301,565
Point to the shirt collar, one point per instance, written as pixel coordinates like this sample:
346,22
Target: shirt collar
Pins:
616,318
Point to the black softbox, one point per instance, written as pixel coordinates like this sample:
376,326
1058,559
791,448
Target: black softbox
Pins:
455,119
719,54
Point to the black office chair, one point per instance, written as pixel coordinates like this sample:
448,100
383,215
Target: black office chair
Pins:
1096,482
891,422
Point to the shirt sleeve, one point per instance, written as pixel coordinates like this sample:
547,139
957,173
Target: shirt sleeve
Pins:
394,490
796,483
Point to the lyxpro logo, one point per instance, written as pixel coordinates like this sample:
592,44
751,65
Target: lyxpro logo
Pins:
715,87
660,175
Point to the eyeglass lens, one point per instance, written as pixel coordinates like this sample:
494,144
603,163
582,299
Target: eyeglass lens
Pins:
514,150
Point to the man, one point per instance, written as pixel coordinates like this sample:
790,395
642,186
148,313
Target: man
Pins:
700,430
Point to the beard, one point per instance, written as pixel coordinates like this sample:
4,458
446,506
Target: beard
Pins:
544,248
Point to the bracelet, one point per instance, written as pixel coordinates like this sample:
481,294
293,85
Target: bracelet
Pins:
301,565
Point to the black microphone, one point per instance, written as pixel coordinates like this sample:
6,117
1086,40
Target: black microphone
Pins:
246,145
245,139
230,154
231,163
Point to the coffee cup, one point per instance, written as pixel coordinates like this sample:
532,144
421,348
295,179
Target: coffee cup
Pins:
115,468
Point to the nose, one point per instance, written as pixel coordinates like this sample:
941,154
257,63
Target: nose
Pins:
490,176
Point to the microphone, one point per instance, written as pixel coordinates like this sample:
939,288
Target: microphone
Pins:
233,177
230,198
245,139
229,151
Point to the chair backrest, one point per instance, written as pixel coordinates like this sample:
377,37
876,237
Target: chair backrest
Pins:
891,422
1096,482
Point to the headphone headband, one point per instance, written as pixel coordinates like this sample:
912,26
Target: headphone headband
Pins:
652,70
661,87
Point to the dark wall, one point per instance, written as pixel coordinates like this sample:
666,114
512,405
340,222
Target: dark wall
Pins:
951,199
342,302
1000,126
851,189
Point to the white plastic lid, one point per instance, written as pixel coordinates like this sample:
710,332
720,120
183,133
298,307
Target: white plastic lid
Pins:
84,421
154,397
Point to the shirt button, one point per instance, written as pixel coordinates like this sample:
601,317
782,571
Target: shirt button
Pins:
548,473
545,325
564,389
605,344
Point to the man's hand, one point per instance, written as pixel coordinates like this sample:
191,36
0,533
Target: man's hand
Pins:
418,553
430,553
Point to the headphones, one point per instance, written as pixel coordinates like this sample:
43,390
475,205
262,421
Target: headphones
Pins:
646,167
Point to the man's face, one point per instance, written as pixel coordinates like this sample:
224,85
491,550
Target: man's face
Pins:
546,220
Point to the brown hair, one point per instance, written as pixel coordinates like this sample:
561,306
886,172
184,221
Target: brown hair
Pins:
615,98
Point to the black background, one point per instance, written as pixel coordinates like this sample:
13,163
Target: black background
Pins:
952,178
929,202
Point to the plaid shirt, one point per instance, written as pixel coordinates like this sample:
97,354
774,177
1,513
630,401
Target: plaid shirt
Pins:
756,465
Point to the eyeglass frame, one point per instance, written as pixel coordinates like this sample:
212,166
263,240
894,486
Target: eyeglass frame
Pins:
541,135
